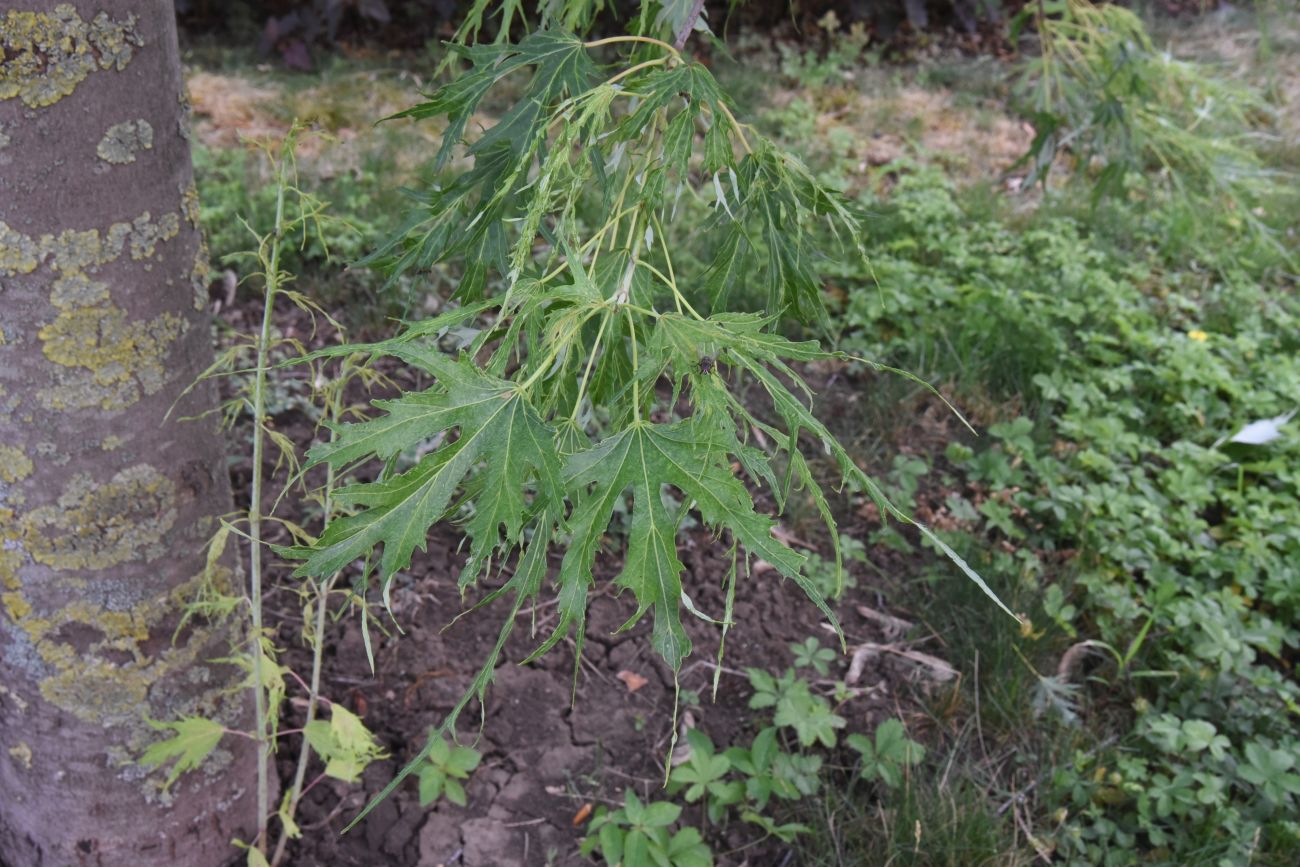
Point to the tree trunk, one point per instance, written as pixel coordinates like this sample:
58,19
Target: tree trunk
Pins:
105,504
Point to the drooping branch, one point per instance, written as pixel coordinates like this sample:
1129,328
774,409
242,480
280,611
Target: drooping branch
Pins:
685,33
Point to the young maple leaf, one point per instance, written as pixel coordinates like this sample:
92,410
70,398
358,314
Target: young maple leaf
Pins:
498,429
693,458
194,740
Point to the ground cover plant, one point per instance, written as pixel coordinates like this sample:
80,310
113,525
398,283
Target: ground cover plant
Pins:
1141,491
1145,704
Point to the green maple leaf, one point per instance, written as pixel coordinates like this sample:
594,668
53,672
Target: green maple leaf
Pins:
194,740
498,431
694,458
344,742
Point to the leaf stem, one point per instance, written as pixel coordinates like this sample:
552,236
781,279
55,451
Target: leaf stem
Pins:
595,239
636,380
631,70
560,344
591,360
735,124
650,40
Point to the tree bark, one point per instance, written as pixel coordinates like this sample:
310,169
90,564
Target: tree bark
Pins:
106,504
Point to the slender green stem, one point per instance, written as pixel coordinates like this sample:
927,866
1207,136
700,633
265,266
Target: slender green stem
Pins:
668,261
735,124
560,344
624,291
610,40
637,68
678,298
322,593
595,239
271,279
636,380
591,360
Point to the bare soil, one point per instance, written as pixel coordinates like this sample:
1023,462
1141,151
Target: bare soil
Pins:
553,746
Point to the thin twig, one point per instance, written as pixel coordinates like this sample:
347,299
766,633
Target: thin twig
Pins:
685,33
271,277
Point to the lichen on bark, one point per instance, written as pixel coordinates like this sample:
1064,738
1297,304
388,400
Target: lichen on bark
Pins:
14,464
47,54
122,141
96,525
107,360
90,657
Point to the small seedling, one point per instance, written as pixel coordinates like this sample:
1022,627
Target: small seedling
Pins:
446,765
637,836
887,756
811,654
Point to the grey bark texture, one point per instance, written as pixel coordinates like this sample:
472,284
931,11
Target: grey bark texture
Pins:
106,503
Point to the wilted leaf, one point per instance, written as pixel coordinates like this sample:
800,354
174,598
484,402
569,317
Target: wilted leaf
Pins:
632,680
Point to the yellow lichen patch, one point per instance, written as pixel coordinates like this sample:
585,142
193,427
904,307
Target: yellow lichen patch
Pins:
47,54
123,140
190,203
17,606
97,690
14,464
74,250
23,753
8,402
113,359
77,290
201,274
121,630
19,254
10,560
92,528
145,236
96,526
111,442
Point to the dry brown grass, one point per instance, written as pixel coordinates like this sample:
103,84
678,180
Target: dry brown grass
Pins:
230,107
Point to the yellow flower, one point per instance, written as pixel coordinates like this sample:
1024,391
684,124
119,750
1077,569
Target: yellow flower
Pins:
1198,335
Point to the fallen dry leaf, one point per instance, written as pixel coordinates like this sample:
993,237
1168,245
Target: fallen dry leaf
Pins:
682,752
790,540
892,626
632,680
939,670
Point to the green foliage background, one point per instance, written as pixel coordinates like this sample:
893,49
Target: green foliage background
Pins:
625,245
